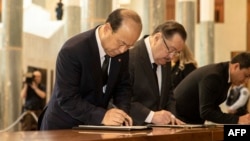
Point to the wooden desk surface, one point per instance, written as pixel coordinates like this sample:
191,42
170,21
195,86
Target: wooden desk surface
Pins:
156,134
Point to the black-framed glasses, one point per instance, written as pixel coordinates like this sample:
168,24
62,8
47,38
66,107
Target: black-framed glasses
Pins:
174,52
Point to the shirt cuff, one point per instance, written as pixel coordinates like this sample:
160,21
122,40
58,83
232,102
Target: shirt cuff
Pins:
149,117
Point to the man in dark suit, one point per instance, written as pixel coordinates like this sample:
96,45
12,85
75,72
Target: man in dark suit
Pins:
200,94
151,92
81,95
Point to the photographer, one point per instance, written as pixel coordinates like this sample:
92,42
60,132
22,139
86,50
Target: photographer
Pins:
33,93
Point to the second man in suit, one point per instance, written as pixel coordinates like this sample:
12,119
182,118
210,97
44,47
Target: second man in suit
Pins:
151,92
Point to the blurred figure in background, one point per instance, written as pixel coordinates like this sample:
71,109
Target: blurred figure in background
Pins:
33,94
59,10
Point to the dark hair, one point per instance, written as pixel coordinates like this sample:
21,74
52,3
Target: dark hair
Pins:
169,28
243,59
117,16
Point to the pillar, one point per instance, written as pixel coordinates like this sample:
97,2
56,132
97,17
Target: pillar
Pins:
157,13
10,62
95,12
185,14
206,47
72,17
152,13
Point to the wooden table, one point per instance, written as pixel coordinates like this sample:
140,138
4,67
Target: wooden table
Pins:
156,134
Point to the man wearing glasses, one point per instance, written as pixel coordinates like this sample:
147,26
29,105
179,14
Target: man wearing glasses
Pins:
150,74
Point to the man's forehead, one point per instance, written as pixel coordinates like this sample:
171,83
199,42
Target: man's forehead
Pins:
37,73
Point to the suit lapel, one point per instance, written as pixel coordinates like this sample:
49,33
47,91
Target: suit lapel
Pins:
147,66
113,71
95,62
166,79
165,71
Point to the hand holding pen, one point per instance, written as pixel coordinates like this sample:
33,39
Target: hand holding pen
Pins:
117,116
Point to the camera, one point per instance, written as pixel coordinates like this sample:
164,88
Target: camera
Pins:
29,78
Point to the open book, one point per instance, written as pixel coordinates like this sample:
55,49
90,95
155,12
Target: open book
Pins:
184,125
117,128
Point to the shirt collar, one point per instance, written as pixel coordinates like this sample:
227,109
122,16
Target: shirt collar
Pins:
229,78
100,47
148,46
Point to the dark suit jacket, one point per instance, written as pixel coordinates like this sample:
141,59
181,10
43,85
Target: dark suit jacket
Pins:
77,97
145,95
199,95
177,75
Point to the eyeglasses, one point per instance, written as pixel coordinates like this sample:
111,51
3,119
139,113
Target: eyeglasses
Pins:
173,52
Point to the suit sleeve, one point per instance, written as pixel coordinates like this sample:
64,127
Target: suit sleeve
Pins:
138,111
188,69
210,92
242,100
122,90
70,97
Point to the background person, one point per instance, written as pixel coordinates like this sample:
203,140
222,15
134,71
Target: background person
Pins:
59,10
81,95
150,91
181,65
33,93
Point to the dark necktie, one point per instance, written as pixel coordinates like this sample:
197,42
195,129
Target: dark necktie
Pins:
154,70
105,66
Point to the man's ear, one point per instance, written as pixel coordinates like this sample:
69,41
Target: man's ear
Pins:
158,36
236,66
106,30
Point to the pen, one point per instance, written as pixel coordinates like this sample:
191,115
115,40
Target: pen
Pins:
113,105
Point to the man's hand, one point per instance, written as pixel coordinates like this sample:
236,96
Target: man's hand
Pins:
38,91
116,116
231,111
176,121
33,85
165,117
245,119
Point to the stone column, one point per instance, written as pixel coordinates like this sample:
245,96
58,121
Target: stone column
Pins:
11,62
157,13
206,47
152,13
72,17
186,16
95,12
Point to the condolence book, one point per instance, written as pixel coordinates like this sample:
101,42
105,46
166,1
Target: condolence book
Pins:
116,128
184,125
